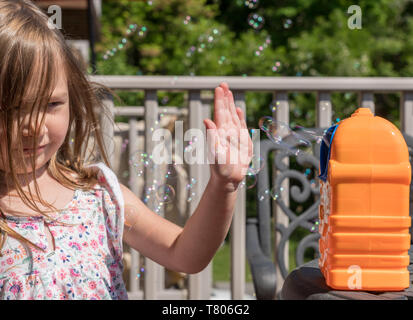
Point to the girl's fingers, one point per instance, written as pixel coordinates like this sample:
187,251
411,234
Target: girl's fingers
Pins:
219,107
230,104
241,118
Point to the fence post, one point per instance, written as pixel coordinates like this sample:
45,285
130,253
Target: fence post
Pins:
154,275
237,230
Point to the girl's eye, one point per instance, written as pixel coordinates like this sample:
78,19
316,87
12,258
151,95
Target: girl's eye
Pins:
54,104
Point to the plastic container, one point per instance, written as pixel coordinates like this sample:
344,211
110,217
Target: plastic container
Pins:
364,209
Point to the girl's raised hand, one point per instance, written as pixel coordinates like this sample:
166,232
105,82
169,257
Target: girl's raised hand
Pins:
230,146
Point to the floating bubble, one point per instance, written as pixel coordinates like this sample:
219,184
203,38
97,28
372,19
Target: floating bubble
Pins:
221,60
276,66
187,20
191,184
191,196
274,105
256,21
249,182
263,195
275,192
314,228
139,161
257,163
165,193
171,172
287,23
251,4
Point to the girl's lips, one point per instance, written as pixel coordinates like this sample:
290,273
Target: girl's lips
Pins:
38,150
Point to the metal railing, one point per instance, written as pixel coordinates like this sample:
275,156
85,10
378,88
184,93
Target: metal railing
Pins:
199,285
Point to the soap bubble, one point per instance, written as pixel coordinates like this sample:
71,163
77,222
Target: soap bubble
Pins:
314,228
252,4
165,193
257,163
187,20
141,160
263,195
256,21
249,182
276,66
287,23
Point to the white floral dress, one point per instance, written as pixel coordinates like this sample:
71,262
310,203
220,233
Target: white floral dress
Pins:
87,260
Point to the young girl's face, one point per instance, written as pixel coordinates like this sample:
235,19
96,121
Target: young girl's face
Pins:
51,134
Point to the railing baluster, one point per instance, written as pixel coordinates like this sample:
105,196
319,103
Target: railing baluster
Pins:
281,113
406,112
366,100
323,110
133,185
154,275
237,230
207,278
196,281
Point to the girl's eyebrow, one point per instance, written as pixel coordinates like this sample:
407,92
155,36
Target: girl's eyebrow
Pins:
59,96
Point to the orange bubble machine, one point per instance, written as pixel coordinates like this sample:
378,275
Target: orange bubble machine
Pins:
364,205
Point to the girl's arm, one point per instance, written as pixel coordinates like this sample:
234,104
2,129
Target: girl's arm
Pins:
191,248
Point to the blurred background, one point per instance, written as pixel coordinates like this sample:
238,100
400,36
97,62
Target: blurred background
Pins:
295,38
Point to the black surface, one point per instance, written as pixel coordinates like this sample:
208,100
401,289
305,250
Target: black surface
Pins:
307,283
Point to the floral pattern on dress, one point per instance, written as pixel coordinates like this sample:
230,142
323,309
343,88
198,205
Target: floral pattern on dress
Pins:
87,260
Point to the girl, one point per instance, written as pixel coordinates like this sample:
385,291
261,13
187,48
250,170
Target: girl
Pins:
65,242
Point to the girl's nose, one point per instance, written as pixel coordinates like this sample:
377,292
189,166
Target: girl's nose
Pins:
29,128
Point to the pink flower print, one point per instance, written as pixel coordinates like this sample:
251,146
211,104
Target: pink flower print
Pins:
9,261
74,273
85,244
64,258
82,228
101,227
75,245
62,275
29,226
39,258
63,296
49,293
94,244
101,237
65,216
92,285
16,287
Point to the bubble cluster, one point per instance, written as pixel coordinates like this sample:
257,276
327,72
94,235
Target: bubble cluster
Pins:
278,131
140,273
187,19
249,182
133,28
255,21
141,160
263,46
276,66
314,228
165,193
251,4
287,23
205,41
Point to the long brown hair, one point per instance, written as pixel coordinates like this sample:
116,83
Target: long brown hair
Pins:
29,55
